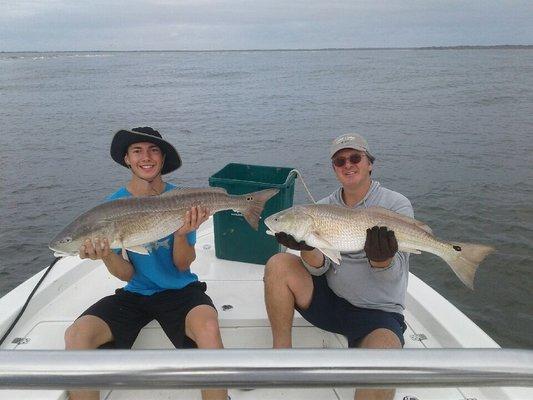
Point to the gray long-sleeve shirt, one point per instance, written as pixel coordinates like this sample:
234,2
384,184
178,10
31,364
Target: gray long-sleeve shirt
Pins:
355,279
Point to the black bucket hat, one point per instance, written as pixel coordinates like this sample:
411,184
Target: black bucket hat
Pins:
124,138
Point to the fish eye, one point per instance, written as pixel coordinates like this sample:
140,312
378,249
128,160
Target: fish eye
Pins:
66,240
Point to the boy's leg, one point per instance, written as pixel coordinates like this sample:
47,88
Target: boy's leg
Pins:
87,332
190,313
113,318
201,325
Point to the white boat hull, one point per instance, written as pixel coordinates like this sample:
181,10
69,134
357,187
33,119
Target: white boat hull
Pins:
237,291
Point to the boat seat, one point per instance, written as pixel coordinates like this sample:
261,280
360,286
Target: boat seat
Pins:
49,335
242,306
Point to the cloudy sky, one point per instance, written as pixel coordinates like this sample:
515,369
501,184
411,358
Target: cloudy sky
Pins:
48,25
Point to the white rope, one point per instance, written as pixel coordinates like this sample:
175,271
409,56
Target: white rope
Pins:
303,182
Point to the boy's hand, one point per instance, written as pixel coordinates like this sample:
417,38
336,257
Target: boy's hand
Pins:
97,250
195,217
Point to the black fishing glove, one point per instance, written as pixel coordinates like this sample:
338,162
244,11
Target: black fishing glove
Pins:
290,242
380,244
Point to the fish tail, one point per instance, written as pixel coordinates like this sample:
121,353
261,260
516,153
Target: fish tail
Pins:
464,258
255,205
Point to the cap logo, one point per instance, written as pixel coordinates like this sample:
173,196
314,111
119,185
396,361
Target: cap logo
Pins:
345,139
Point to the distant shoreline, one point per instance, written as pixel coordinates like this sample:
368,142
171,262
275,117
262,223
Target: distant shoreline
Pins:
504,46
469,47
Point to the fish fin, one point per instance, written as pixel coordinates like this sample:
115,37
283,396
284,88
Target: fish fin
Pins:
465,259
125,254
377,210
257,200
325,247
181,190
318,241
138,249
333,255
409,250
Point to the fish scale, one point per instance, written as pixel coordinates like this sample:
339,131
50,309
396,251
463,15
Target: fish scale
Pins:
139,226
351,236
131,222
335,229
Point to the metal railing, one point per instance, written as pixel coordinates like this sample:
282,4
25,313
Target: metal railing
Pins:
232,368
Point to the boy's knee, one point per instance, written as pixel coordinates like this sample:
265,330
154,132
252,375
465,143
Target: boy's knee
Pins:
82,335
211,328
207,334
76,338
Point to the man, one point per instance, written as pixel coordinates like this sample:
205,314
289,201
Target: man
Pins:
159,285
363,298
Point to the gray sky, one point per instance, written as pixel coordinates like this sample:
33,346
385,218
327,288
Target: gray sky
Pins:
47,25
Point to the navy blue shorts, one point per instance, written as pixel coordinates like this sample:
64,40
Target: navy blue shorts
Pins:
332,313
126,313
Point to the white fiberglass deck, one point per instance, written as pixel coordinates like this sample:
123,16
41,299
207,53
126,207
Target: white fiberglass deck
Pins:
237,291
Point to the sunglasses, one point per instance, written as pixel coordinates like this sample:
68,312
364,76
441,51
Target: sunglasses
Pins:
354,158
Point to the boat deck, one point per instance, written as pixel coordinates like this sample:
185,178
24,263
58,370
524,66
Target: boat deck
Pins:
237,290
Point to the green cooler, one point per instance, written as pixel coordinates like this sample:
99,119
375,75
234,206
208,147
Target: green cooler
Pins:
235,239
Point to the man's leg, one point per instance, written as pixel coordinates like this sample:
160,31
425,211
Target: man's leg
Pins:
201,325
287,283
87,332
378,339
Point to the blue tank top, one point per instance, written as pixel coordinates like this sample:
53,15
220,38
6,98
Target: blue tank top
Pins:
156,271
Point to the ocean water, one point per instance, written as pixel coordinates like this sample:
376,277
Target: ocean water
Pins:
451,129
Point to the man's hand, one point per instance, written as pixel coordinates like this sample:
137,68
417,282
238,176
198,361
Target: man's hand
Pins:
290,242
380,246
97,250
193,219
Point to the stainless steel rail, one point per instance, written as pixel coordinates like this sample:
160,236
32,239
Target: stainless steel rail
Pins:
144,369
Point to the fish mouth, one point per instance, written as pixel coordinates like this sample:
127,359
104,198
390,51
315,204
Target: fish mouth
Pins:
270,231
60,253
269,222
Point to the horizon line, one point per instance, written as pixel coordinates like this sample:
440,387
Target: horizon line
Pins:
451,47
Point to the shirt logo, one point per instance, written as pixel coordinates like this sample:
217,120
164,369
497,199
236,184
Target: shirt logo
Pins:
151,247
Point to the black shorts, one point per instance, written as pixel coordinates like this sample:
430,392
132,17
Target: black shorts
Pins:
332,313
126,313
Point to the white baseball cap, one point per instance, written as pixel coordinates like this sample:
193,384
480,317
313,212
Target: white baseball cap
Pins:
351,141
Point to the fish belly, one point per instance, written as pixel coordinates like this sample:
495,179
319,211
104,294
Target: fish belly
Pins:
348,233
149,219
142,229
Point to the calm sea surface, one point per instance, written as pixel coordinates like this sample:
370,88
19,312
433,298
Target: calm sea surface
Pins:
452,130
